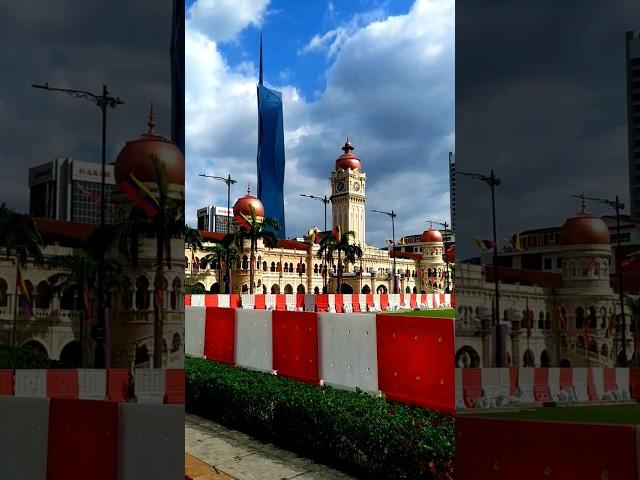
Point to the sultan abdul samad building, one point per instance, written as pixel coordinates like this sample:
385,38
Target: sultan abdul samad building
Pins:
293,266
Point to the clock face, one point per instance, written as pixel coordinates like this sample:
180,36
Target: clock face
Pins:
340,187
356,186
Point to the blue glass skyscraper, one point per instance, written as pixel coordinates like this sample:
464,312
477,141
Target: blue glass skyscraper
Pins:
271,152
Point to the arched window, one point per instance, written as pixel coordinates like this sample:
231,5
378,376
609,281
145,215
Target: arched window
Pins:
300,289
291,267
273,266
547,321
275,288
186,262
43,295
286,267
315,268
316,290
142,293
175,292
264,266
245,288
541,321
175,342
245,262
528,359
407,290
593,320
4,296
579,317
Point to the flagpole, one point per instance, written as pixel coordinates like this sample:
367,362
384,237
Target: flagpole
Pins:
15,307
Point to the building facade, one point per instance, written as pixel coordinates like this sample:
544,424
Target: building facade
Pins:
633,118
294,266
214,219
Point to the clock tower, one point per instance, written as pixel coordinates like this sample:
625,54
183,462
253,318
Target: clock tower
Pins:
348,194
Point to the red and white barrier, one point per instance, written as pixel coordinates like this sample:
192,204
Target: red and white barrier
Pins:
333,303
500,387
404,357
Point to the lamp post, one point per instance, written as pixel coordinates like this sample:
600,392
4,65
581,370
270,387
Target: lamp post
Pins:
393,216
445,225
617,205
229,181
103,102
325,201
493,182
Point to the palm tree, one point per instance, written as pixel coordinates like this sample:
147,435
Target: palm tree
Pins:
20,238
255,228
167,223
78,277
192,239
330,245
634,306
222,252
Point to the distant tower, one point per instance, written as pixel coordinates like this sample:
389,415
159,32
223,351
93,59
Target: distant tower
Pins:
177,74
271,152
452,189
348,194
633,119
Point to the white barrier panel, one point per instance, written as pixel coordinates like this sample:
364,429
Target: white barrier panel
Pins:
580,384
376,303
525,384
290,301
151,442
92,384
24,438
197,300
224,301
270,301
622,381
248,301
150,385
309,303
348,354
598,382
554,384
362,300
495,384
394,301
433,300
346,302
331,303
459,390
447,300
31,383
254,341
194,320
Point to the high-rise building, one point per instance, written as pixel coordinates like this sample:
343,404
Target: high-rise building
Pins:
633,119
67,189
214,219
271,153
452,189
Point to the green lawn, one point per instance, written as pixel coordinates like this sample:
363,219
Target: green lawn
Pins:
619,414
440,312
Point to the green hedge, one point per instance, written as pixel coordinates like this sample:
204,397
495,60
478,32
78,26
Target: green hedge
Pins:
366,436
11,358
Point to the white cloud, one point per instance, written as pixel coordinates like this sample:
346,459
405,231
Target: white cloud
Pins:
222,20
390,88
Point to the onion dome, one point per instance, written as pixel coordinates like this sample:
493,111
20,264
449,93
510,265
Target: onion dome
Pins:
584,229
134,158
431,236
347,160
243,206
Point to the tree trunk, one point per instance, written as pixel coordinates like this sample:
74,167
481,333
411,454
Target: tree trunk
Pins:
158,334
252,259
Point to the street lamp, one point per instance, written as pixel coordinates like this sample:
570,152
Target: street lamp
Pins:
229,181
103,101
393,216
493,182
446,262
617,205
325,201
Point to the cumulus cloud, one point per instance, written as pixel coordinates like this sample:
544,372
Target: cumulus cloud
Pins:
390,88
222,20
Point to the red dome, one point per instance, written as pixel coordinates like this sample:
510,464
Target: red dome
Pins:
347,160
431,235
584,229
134,158
243,205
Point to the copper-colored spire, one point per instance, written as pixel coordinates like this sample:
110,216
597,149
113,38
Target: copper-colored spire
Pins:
347,146
248,189
152,121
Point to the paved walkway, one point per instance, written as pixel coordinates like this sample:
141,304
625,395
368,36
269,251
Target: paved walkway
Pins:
245,458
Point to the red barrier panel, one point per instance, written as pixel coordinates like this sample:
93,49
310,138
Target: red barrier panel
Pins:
384,301
259,302
6,382
634,383
355,302
234,300
211,300
414,360
295,345
174,386
566,379
471,386
83,440
591,387
117,384
219,334
339,302
300,302
413,300
541,392
610,382
322,303
499,449
513,380
281,301
370,300
187,300
62,383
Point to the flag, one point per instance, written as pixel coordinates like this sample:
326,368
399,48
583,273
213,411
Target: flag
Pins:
611,328
588,268
483,245
27,305
562,321
587,320
140,195
337,234
159,297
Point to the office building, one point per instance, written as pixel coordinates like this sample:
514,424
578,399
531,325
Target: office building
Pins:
633,119
452,189
214,219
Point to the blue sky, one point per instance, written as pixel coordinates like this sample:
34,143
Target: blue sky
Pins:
381,72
